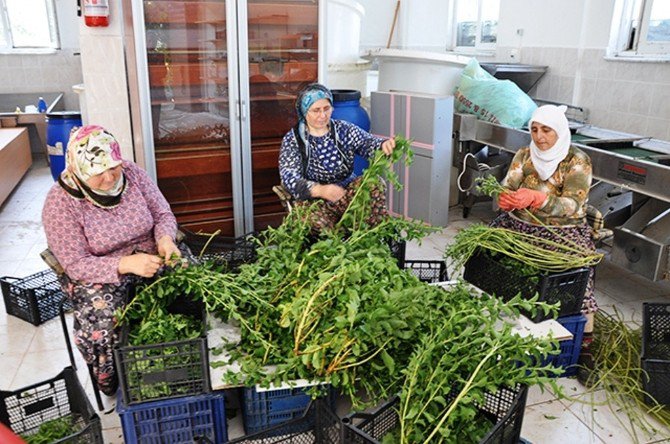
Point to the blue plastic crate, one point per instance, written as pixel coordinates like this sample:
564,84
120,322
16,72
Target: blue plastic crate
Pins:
263,409
569,355
175,421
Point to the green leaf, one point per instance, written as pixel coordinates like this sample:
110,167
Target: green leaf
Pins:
388,361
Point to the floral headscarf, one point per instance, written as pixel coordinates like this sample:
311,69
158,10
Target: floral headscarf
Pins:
92,150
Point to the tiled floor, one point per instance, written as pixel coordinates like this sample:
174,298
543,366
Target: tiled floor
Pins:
31,354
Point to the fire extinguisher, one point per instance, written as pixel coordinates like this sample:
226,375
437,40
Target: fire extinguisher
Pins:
96,12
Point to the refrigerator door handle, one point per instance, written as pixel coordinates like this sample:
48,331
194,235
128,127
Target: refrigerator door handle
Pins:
243,108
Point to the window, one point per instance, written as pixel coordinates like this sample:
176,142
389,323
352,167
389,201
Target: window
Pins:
28,24
475,24
641,29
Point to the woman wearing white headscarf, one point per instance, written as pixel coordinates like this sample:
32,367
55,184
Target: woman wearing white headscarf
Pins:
551,178
107,223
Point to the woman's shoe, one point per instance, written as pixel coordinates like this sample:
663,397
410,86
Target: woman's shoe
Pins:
110,388
586,369
585,362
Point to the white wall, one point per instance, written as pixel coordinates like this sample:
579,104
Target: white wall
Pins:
626,96
421,24
66,13
376,24
105,81
548,23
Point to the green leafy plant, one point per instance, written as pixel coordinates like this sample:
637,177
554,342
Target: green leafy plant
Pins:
467,354
52,430
336,308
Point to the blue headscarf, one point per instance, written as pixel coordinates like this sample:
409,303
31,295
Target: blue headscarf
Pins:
306,98
310,94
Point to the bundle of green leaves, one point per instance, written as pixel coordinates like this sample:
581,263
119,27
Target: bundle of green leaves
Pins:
53,430
337,308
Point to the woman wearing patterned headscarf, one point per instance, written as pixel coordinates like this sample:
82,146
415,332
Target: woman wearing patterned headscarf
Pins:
105,222
551,178
316,159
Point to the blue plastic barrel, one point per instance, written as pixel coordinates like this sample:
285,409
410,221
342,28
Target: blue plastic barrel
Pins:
347,106
59,125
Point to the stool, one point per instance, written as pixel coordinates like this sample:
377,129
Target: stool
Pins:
284,197
597,222
52,262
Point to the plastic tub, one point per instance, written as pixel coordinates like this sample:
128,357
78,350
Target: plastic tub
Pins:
344,30
419,71
59,125
347,106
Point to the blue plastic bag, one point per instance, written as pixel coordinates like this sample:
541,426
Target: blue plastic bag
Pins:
490,99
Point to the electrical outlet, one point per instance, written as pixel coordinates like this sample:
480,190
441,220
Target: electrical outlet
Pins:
514,54
519,32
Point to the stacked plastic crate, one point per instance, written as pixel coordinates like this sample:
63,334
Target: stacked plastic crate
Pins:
492,275
165,393
505,407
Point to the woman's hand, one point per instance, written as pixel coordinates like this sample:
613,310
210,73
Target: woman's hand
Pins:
521,198
387,146
141,264
329,192
506,202
530,198
168,249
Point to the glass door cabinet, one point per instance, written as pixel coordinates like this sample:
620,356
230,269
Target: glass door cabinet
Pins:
216,83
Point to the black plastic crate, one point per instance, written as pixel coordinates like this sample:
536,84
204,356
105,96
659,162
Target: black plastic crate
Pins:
505,408
496,278
165,370
264,409
428,271
229,252
34,298
656,351
364,428
24,410
318,425
398,248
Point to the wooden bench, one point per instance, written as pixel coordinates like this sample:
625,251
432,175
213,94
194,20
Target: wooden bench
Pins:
15,159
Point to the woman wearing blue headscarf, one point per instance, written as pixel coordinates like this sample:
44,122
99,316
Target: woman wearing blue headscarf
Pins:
316,159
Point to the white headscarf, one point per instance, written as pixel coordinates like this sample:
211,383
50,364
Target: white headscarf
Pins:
546,162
